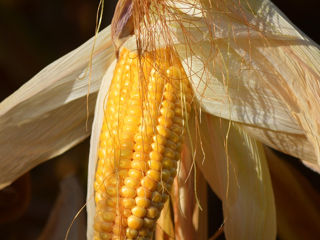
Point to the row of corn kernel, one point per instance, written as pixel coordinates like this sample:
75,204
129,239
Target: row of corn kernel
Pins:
143,141
165,152
115,149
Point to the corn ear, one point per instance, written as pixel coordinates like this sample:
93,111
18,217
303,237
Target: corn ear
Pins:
290,56
140,140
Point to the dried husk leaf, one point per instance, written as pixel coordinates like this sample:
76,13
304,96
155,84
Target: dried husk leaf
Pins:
164,228
294,144
94,144
236,169
183,200
48,114
248,63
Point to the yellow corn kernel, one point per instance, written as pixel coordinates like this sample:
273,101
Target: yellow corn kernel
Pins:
111,191
116,230
125,163
106,226
105,236
169,153
155,165
149,184
152,212
120,221
159,139
165,174
143,192
156,156
139,211
148,223
131,182
142,202
165,121
126,213
109,216
128,192
139,165
157,147
111,202
156,197
154,175
134,173
143,232
131,233
163,131
127,202
169,163
135,222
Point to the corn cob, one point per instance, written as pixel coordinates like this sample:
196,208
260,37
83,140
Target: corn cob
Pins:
140,143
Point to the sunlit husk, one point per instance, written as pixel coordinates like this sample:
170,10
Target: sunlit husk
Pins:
292,144
184,199
48,115
165,228
94,143
236,169
248,63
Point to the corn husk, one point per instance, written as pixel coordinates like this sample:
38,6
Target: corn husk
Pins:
190,221
235,167
164,228
94,143
250,64
48,114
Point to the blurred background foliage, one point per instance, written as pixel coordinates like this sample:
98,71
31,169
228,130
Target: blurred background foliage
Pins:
34,33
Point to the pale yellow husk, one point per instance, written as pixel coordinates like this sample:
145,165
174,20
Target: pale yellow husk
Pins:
260,71
94,143
235,167
48,115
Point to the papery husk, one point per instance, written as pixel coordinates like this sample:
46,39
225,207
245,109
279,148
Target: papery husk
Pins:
164,228
297,201
183,198
286,143
48,115
94,144
248,63
235,167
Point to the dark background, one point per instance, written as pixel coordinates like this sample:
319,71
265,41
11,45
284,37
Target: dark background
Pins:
34,33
